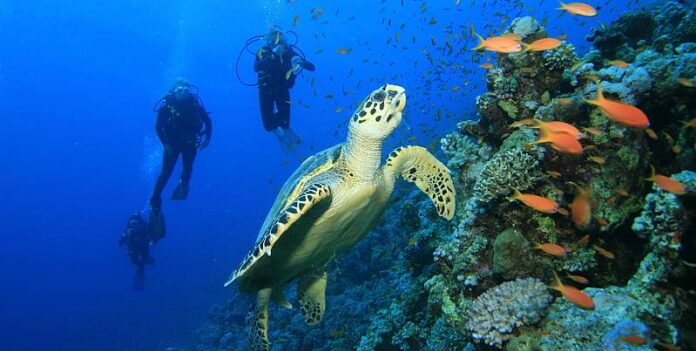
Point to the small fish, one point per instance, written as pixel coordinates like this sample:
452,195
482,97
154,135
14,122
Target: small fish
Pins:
498,44
624,114
667,183
339,109
579,8
551,249
650,133
581,208
539,203
343,51
296,20
577,278
634,339
455,88
554,174
582,242
669,346
486,65
277,38
622,192
556,127
593,130
619,63
561,142
522,122
687,124
562,37
598,160
604,252
565,101
572,294
542,45
686,82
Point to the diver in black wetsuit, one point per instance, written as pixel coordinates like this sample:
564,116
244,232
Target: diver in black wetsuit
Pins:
184,127
275,65
137,238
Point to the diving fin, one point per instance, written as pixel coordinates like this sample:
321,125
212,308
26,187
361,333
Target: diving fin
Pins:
139,279
284,140
156,225
181,192
293,137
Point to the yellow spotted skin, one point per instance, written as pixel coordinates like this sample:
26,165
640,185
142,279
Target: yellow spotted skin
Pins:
329,204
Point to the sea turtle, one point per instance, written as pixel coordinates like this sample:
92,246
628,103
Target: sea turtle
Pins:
331,202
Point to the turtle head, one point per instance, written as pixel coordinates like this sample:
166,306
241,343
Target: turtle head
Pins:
380,113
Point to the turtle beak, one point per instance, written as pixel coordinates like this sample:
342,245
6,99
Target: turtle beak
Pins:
397,95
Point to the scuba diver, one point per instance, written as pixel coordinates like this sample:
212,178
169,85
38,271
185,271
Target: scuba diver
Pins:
137,238
184,127
276,65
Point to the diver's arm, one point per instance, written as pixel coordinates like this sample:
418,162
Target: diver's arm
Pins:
205,116
262,63
298,60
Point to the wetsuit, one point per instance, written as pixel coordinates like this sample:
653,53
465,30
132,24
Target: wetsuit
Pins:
179,125
136,237
274,89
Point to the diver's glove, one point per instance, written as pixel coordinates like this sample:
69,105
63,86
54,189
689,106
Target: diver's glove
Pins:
297,62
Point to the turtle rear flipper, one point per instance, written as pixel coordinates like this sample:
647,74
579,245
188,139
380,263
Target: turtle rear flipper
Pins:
415,164
258,322
310,197
311,292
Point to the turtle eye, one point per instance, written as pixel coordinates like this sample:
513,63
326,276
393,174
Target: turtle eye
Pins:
379,96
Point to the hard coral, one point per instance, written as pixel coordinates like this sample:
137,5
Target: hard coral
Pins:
514,168
499,311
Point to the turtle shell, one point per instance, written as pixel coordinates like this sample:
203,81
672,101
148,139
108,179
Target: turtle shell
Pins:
314,165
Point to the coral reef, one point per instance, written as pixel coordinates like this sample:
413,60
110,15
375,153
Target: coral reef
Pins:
420,283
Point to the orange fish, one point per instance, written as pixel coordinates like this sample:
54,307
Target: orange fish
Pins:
619,63
625,114
578,278
606,253
689,124
581,208
572,294
342,51
561,142
622,192
634,339
557,127
551,249
498,44
562,37
565,101
582,242
542,45
486,65
536,202
667,183
579,8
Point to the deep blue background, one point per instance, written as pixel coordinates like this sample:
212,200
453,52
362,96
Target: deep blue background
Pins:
78,80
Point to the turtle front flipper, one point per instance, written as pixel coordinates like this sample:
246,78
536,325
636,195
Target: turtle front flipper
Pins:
311,292
258,322
415,164
311,196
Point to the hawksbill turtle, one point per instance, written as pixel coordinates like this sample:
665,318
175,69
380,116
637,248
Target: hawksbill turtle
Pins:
331,202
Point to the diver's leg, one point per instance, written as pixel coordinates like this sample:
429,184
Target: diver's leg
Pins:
283,103
168,162
188,155
266,104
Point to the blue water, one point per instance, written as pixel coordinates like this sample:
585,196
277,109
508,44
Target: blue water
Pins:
78,80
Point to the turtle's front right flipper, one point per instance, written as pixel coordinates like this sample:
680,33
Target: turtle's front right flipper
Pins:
416,165
310,197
